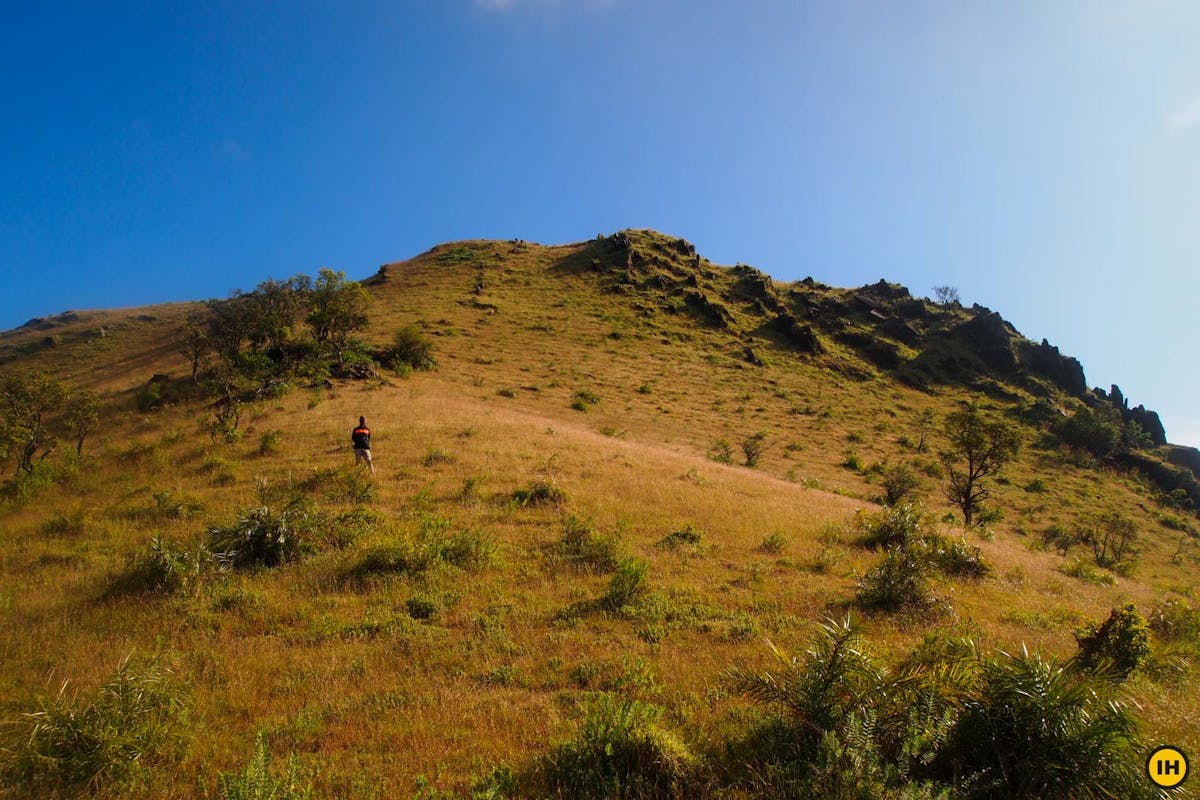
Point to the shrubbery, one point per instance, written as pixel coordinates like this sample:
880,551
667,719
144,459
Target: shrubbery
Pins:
947,723
77,746
622,751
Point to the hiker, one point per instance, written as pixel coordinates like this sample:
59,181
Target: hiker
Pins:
361,437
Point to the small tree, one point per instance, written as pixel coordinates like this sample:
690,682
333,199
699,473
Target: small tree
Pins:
194,343
925,423
947,295
1112,537
753,448
978,448
899,482
83,414
28,402
337,308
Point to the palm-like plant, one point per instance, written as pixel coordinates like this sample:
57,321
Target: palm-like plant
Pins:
1036,729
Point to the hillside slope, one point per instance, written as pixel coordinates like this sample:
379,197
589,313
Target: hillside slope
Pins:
611,371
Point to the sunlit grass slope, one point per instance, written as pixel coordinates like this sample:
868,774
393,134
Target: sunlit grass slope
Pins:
578,367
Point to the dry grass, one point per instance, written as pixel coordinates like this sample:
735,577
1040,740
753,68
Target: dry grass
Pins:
371,698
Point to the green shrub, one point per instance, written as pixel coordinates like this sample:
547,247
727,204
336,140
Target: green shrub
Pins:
629,584
853,461
583,547
1112,538
773,543
1035,729
721,452
163,569
897,526
385,560
1115,646
685,537
257,783
582,400
79,746
619,752
268,442
899,581
899,482
262,537
1077,568
955,557
1035,486
543,491
466,549
410,348
420,607
1174,619
753,448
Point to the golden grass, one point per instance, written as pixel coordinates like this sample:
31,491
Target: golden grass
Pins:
371,698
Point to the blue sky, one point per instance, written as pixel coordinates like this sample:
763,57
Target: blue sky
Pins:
1042,157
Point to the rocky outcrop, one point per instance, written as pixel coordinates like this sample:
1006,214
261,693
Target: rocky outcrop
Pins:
989,337
1188,457
1046,361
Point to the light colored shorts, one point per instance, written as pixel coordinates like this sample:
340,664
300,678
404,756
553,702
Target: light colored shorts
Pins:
362,454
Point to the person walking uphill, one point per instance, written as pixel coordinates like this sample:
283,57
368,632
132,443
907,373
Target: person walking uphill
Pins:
361,437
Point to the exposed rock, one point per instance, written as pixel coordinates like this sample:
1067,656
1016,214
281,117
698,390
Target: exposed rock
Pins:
709,311
1188,457
885,291
989,337
1150,423
800,336
1063,371
901,331
913,308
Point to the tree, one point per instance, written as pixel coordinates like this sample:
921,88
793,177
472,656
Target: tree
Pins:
194,341
978,447
947,295
28,402
274,306
83,414
230,323
337,308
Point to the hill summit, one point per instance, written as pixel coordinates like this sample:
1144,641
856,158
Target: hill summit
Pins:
641,526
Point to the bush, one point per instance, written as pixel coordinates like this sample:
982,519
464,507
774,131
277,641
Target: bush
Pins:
268,442
262,537
956,558
620,751
420,607
1173,619
1112,537
410,348
899,482
76,746
257,783
721,452
585,548
753,448
582,400
163,570
628,585
1085,572
1035,729
773,543
893,527
543,491
899,581
1117,645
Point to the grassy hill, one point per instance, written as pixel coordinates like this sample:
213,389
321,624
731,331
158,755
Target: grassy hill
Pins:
460,611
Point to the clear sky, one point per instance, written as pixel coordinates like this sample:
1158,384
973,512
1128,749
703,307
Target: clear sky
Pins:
1043,157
